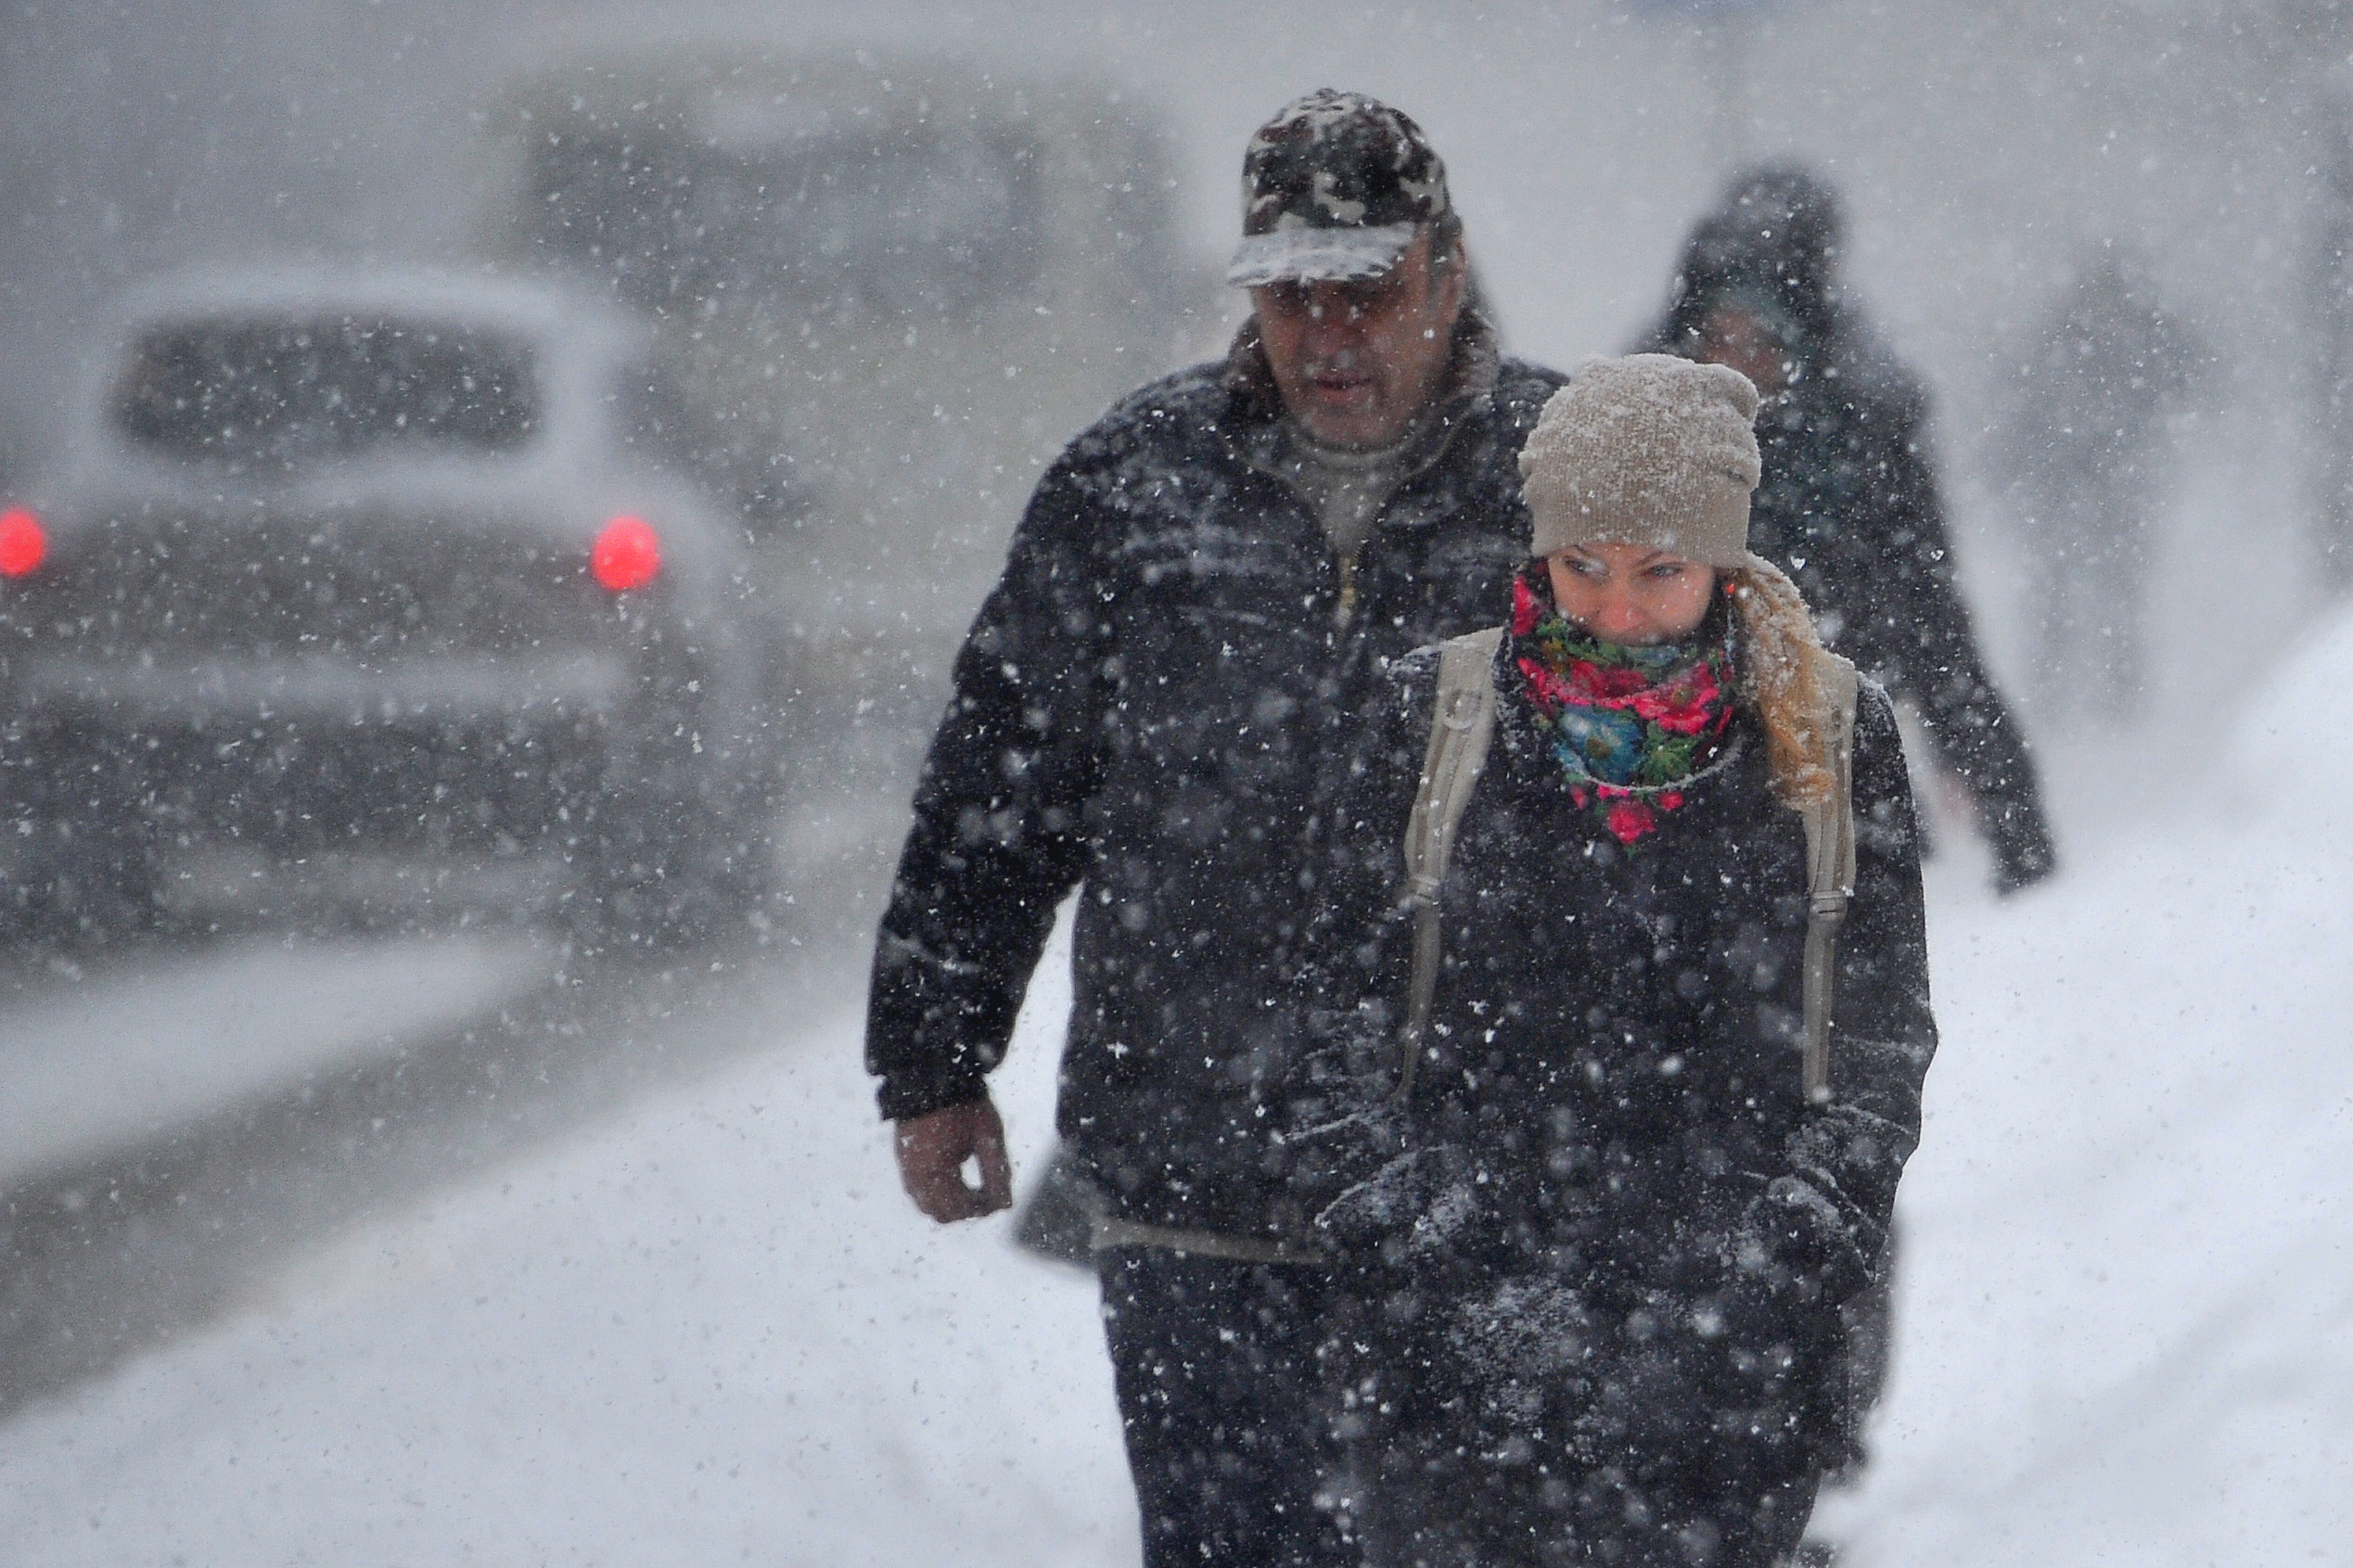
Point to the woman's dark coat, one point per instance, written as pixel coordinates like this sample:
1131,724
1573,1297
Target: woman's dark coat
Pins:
1608,1229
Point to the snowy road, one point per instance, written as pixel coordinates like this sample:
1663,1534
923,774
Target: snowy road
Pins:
177,1126
703,1328
178,1118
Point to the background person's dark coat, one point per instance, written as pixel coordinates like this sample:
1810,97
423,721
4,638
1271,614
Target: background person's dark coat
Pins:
1140,712
1849,504
1604,1250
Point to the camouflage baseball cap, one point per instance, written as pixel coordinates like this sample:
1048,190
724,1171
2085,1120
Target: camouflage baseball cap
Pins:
1333,188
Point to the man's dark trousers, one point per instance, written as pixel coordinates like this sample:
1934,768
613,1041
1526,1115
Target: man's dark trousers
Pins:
1214,1361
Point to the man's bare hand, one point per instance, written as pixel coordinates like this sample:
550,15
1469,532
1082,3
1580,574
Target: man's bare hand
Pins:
932,1150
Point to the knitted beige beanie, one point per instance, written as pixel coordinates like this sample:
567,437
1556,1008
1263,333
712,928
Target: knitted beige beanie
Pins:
1647,449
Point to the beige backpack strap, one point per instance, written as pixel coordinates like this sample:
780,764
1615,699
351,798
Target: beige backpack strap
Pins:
1461,726
1830,868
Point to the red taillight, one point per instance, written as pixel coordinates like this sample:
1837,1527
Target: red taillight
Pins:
22,545
627,555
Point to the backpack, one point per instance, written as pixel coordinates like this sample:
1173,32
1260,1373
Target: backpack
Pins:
1461,730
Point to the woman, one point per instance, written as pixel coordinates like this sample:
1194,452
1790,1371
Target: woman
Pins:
1591,1263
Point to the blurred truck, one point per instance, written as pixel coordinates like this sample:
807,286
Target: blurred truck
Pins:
897,287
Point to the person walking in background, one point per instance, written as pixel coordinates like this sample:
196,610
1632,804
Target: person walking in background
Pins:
1194,604
1848,505
2086,446
1593,1215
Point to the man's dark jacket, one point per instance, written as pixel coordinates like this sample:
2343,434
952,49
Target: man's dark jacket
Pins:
1139,712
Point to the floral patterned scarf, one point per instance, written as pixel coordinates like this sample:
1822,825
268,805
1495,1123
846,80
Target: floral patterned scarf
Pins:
1629,725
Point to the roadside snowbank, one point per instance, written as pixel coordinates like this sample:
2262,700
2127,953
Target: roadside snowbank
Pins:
2126,1332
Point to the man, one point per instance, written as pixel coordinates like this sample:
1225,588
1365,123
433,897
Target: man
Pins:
1200,589
2088,445
1849,504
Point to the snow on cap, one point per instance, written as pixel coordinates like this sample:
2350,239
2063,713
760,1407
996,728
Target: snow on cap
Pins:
1333,189
1648,450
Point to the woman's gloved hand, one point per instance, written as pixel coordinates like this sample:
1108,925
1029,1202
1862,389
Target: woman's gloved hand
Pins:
1523,1345
1792,1250
1420,1205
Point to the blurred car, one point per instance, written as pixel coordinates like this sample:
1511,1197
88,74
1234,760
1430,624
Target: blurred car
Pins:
388,584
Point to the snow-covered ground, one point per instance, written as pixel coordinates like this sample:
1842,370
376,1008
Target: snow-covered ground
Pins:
710,1330
2126,1331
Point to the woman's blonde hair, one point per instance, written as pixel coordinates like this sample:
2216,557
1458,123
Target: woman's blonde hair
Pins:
1781,679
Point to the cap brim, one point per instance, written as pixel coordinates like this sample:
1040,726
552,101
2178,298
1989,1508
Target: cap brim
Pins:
1305,255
